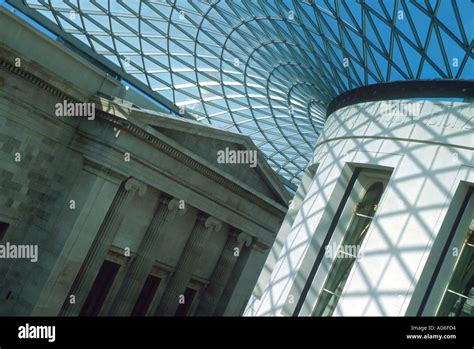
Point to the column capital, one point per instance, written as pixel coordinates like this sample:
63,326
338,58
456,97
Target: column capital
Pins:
213,224
245,238
201,216
164,198
260,246
174,204
233,232
133,184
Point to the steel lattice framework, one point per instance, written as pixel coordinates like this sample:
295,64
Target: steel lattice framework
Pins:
268,69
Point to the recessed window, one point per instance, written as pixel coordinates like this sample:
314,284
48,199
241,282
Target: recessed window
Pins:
185,307
100,289
3,229
458,299
368,188
146,296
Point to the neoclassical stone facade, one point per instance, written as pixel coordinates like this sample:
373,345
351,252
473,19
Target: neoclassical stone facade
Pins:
130,210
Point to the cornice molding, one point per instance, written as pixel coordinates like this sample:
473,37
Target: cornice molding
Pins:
144,135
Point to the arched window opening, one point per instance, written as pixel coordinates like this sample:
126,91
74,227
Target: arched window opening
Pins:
458,299
363,214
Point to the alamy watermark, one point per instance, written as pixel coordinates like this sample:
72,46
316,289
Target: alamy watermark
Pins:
342,251
37,332
11,251
230,156
391,110
76,109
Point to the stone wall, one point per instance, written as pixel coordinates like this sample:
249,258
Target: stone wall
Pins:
37,173
67,187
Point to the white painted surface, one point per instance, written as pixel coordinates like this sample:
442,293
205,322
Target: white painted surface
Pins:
425,143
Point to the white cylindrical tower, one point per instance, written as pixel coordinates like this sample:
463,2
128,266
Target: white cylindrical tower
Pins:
383,226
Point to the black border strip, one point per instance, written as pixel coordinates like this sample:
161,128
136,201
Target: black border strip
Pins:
120,332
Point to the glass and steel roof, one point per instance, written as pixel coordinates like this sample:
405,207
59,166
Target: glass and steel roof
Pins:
268,69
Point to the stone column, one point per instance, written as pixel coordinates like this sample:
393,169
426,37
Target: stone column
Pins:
102,241
222,272
243,280
186,264
141,266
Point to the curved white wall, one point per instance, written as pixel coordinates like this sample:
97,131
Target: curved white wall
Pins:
429,147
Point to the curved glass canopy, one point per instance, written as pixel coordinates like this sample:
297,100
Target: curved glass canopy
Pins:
268,69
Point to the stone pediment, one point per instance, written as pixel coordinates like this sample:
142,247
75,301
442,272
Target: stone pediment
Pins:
229,152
